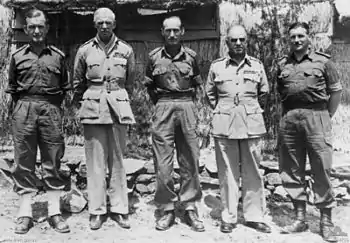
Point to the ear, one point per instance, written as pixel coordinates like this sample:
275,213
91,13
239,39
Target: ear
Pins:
182,30
25,29
162,31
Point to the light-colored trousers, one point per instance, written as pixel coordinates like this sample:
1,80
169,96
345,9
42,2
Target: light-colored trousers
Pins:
239,158
104,146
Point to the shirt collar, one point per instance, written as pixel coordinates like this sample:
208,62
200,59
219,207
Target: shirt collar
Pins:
114,40
246,60
178,56
44,51
308,55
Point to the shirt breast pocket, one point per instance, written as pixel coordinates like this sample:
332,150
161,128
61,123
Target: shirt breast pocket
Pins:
314,78
119,67
251,80
93,70
159,70
185,69
54,75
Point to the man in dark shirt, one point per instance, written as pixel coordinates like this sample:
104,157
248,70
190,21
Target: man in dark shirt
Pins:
38,81
310,90
172,78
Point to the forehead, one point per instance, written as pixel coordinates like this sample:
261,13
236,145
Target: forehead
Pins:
38,20
297,31
172,23
237,32
100,18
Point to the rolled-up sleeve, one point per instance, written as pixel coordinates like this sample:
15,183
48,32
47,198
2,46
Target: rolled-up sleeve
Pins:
332,78
197,79
264,84
210,88
66,82
130,78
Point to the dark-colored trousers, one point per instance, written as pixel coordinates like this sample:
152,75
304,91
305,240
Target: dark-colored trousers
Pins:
37,123
174,127
306,132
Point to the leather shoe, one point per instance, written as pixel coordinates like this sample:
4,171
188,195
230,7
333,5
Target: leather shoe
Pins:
259,226
191,218
166,221
96,221
121,219
327,232
23,225
226,227
58,223
296,227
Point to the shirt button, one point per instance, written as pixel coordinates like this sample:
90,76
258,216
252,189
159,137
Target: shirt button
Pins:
108,69
107,57
236,83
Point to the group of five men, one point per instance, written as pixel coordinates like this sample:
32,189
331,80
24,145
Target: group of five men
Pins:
236,88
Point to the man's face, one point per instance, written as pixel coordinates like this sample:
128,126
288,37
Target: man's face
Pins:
236,41
105,26
299,39
172,31
36,28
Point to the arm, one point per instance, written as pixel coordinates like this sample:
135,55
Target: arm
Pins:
210,89
197,81
263,88
130,73
333,87
12,79
149,82
66,83
79,78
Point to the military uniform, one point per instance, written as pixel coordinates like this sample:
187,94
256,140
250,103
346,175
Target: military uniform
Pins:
102,73
233,90
305,127
171,83
38,84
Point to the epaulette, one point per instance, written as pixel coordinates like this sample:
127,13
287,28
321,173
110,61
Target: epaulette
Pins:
20,49
191,52
255,59
124,42
323,54
57,50
87,42
153,52
218,60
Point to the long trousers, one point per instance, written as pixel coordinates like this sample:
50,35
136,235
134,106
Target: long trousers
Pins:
174,127
104,146
37,123
306,132
240,158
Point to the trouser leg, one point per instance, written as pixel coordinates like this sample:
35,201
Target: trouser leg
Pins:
163,153
51,144
187,147
292,156
319,145
25,205
253,198
228,162
24,127
96,152
117,191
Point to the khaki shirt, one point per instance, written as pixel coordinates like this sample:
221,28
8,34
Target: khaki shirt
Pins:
101,73
233,91
166,75
46,74
306,82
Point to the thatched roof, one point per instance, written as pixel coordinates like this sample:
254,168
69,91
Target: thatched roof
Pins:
92,4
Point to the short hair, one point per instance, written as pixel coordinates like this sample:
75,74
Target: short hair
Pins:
303,25
236,26
33,13
172,17
105,11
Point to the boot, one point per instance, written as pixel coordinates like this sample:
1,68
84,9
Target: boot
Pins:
326,225
299,225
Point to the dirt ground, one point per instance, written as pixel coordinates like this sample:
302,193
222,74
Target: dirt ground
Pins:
144,215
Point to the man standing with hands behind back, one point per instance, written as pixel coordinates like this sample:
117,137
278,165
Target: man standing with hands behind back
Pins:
172,79
103,73
310,91
235,85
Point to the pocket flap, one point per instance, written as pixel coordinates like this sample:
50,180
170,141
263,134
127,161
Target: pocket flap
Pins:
92,95
222,79
284,74
317,72
253,108
119,61
54,69
251,76
159,71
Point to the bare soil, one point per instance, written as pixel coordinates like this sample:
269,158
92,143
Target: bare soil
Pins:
143,217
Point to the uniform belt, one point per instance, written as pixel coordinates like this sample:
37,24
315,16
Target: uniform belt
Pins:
311,106
53,99
109,86
176,95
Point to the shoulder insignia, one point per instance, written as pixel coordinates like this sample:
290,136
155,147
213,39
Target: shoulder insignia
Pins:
20,49
323,54
218,60
124,42
190,51
87,42
153,52
57,50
